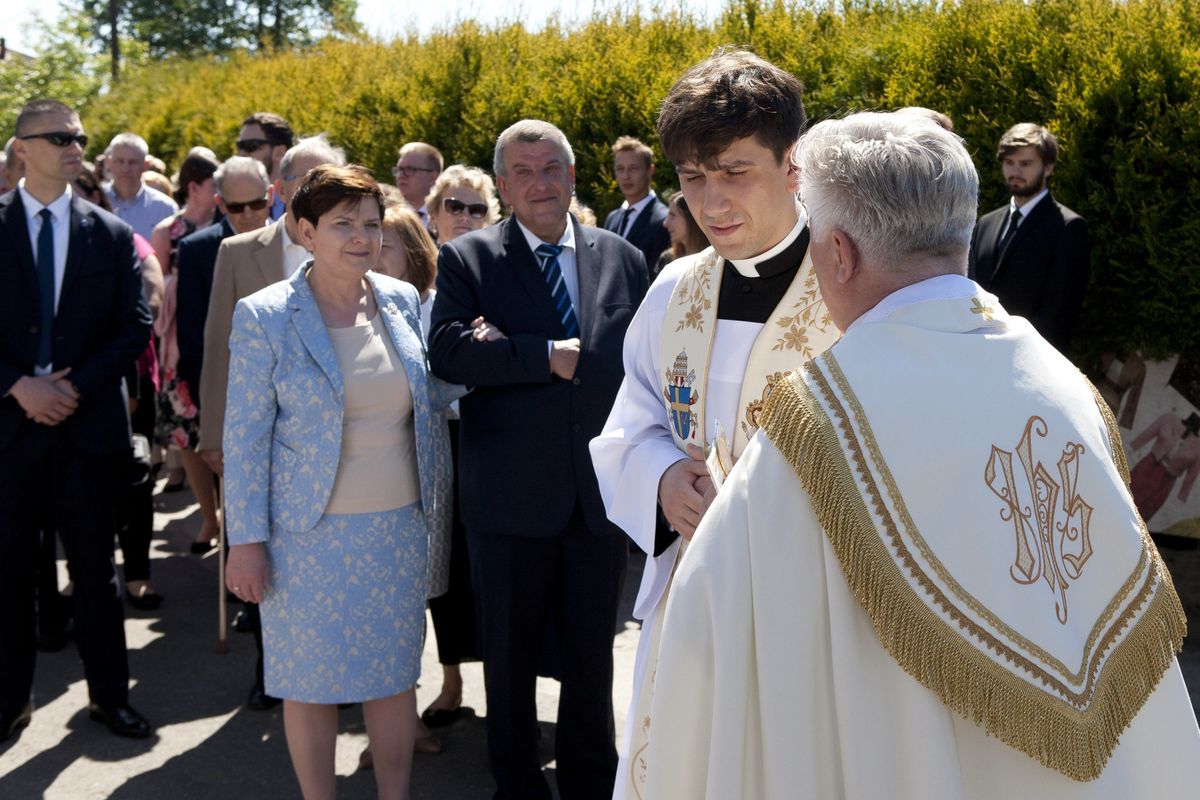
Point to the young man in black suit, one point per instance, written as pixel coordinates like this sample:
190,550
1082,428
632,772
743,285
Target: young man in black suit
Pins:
74,320
639,220
1033,253
532,313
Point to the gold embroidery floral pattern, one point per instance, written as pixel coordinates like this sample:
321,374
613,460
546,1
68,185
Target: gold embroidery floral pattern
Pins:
695,290
808,312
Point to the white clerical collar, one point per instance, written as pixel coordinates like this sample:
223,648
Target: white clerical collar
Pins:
567,240
59,207
1026,209
640,204
747,267
939,287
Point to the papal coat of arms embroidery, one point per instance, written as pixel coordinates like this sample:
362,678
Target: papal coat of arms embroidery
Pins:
680,397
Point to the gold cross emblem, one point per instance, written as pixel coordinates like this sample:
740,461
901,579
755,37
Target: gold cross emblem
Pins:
979,308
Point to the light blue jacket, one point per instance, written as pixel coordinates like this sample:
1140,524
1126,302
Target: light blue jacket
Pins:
283,420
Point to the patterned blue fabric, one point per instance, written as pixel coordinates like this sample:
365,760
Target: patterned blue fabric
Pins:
283,421
547,256
344,619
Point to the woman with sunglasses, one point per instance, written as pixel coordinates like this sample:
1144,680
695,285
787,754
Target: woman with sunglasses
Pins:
463,199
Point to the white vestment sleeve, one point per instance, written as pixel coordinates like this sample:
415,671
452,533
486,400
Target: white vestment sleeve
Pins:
635,447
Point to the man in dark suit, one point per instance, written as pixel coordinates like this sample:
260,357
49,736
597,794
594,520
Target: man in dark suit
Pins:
244,197
640,218
74,319
1033,253
532,313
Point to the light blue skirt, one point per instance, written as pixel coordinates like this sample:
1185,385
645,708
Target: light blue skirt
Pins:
344,618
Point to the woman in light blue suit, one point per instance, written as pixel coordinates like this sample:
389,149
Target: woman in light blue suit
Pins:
338,477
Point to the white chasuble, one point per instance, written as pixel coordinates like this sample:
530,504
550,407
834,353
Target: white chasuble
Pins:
926,579
692,377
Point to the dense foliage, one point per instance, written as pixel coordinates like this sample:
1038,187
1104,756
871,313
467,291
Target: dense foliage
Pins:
1117,81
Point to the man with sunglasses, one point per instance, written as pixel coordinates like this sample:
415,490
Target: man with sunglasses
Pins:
141,206
415,172
74,320
247,262
266,137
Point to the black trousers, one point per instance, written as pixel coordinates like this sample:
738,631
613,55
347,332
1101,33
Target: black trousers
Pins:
523,584
41,469
454,612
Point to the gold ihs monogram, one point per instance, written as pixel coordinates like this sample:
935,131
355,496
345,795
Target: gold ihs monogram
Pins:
1042,539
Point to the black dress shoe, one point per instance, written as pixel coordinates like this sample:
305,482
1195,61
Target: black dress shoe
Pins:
200,548
243,622
144,602
11,723
121,720
259,700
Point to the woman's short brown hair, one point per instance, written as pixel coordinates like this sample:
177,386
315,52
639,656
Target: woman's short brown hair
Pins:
326,187
420,253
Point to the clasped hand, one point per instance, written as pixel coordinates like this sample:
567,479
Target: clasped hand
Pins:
564,354
685,491
46,399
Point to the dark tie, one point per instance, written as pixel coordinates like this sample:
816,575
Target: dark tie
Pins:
1014,219
547,255
45,274
626,215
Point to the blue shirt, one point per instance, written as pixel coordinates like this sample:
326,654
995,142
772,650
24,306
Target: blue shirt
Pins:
144,210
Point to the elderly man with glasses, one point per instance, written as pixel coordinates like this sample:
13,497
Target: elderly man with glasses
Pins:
415,172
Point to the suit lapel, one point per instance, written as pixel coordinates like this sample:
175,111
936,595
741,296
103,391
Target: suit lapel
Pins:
587,265
79,244
1024,230
403,331
269,258
525,267
16,230
637,231
311,329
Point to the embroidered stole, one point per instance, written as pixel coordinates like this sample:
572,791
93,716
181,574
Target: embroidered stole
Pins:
798,329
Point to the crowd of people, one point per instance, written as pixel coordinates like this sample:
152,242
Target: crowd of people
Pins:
455,392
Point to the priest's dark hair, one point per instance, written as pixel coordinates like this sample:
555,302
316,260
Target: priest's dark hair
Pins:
732,94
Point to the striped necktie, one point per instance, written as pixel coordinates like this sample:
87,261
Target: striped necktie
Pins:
547,255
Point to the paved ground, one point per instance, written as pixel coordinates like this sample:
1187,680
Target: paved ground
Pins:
208,746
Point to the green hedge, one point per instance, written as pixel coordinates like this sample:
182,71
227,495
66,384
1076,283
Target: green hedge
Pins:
1116,81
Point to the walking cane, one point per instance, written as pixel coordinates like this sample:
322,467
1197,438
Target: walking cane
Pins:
222,613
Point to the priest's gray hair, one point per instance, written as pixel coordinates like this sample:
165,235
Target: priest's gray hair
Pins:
128,139
318,147
530,130
900,185
240,166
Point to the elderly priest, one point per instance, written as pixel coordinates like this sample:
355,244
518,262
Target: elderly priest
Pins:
925,577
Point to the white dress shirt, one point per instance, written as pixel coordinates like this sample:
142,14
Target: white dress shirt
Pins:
60,218
294,255
1026,209
635,213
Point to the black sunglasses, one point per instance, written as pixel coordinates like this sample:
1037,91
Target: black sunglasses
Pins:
250,145
253,205
457,207
59,138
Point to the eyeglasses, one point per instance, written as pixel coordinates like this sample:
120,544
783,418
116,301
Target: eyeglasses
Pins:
457,207
408,172
253,205
250,145
59,138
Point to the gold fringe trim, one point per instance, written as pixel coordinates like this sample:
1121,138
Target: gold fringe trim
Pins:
1076,742
1114,433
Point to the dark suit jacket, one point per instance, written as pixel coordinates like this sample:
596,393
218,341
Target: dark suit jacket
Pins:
196,260
523,446
102,324
647,233
1043,273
